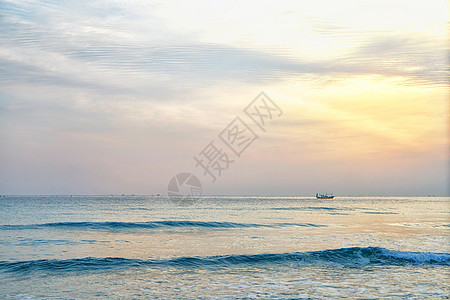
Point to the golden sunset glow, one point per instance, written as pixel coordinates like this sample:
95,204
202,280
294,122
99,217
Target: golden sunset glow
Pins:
135,89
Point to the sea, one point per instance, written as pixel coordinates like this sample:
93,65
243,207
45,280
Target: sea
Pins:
224,247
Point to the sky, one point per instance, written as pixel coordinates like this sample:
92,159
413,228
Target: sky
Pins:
117,97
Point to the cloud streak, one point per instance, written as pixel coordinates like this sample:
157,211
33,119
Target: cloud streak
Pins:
81,51
131,88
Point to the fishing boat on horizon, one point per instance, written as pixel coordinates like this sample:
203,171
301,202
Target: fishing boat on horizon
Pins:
324,196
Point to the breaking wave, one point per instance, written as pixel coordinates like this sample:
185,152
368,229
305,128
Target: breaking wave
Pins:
347,257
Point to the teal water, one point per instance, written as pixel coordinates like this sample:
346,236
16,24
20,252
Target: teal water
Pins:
116,247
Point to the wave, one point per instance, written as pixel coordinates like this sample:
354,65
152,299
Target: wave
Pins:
308,208
115,226
380,213
347,257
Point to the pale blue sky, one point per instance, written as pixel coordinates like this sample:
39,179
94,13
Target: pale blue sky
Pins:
101,97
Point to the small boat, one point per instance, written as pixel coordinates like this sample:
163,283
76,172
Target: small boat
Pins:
324,196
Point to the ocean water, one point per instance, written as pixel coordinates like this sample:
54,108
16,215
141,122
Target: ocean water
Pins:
135,247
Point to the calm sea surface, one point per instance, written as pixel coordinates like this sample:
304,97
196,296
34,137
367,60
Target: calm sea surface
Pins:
116,247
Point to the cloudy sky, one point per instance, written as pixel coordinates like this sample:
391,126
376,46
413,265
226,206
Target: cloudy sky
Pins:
109,96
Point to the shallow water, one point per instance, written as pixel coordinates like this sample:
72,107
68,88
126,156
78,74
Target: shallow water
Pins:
223,247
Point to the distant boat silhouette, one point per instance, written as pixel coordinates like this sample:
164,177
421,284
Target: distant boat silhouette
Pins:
324,196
